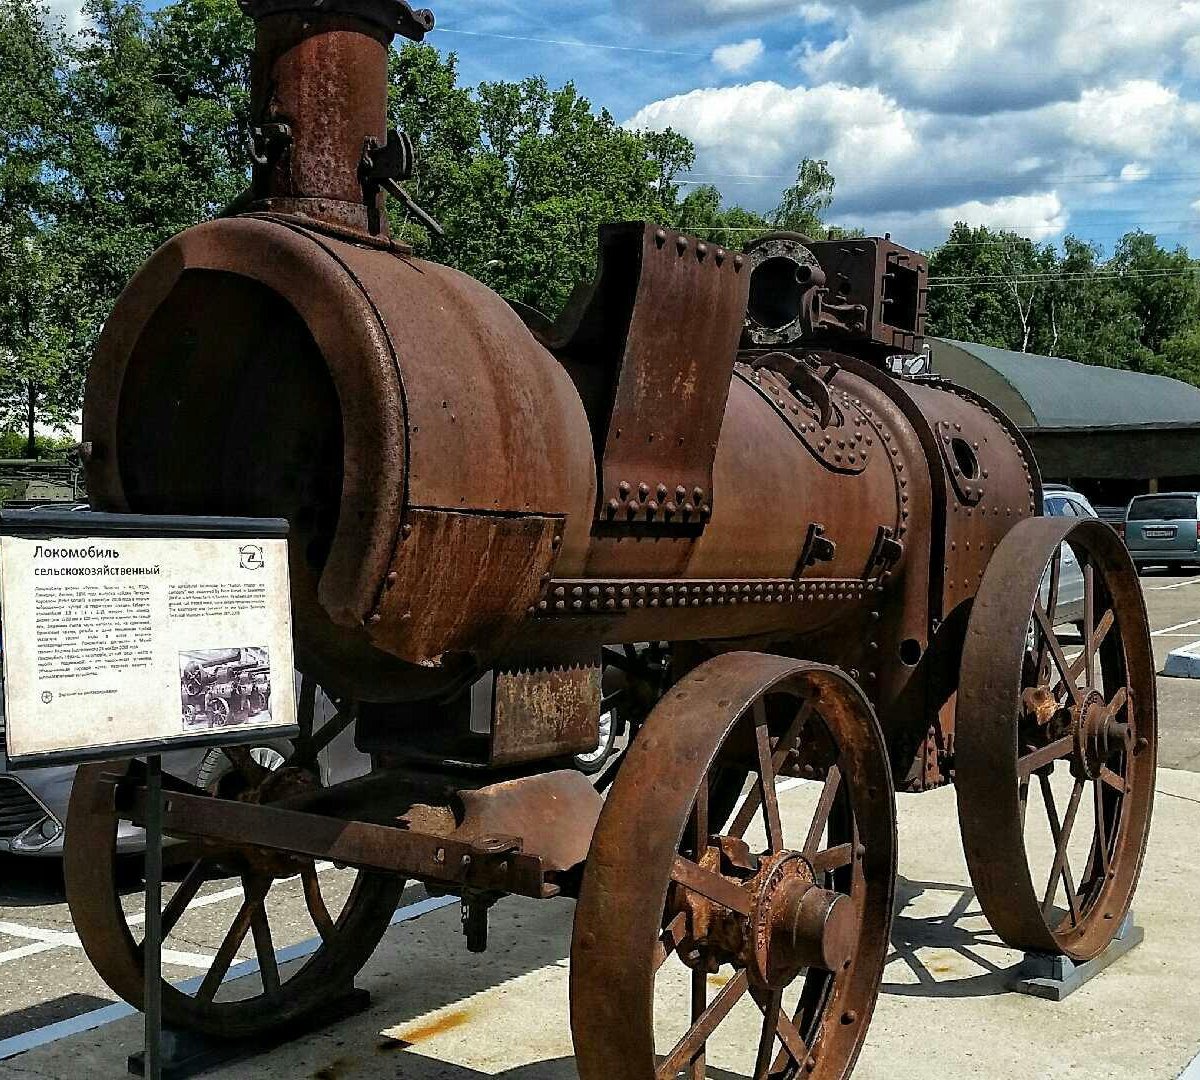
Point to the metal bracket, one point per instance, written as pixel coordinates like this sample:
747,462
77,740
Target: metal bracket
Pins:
268,142
887,551
817,548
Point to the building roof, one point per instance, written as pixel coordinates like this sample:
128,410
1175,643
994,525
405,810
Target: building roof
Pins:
1049,393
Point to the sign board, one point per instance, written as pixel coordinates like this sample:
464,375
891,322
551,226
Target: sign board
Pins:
137,635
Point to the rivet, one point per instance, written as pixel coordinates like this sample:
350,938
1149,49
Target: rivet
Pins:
681,244
624,488
739,261
701,250
393,577
644,491
661,237
406,531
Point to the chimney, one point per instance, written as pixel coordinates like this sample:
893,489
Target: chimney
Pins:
319,106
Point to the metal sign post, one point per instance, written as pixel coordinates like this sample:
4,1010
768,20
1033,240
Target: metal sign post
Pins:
152,944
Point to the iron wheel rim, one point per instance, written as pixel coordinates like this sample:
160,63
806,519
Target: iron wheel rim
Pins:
1003,766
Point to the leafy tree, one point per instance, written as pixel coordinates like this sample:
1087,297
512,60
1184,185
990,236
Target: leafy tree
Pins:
521,175
31,284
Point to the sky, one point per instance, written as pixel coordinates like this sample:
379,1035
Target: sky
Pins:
1044,116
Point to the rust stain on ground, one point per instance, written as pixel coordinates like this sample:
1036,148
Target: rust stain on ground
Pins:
438,1026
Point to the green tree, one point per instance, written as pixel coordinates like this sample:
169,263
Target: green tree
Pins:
521,175
31,281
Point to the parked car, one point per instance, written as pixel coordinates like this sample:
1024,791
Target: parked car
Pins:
1062,501
1164,530
33,802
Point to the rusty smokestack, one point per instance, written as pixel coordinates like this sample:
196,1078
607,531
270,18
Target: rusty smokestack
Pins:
319,100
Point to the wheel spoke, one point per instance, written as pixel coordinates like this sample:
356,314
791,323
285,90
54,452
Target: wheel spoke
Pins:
831,859
265,949
242,760
1055,831
1113,780
1107,620
1056,653
1044,755
315,902
771,1004
345,716
1101,840
255,891
753,800
687,1047
1119,701
183,896
699,1004
715,887
766,779
1051,604
792,1041
824,808
1061,841
700,820
670,939
1089,624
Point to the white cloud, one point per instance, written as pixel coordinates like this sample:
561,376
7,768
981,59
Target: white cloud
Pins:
739,57
1133,172
898,164
966,56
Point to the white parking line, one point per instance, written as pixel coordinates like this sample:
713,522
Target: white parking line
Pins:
1171,629
60,939
26,950
62,1029
1178,585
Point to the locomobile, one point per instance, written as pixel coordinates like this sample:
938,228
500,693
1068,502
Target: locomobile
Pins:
842,570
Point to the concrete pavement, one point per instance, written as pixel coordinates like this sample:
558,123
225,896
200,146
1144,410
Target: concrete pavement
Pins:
441,1014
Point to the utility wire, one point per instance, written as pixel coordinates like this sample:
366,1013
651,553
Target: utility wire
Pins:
1033,279
566,42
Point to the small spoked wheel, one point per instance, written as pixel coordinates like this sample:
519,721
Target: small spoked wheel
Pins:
1056,743
722,937
241,890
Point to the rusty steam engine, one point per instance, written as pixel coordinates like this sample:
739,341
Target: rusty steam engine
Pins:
842,572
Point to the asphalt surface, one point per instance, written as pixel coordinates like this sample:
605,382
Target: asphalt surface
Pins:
45,976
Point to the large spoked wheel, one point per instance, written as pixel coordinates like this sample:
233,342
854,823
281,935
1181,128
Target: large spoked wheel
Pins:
113,942
1075,734
789,932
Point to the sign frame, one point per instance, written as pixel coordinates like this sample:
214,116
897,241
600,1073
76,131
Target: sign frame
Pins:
79,525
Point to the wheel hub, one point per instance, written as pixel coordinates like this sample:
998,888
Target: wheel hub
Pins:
795,924
1098,735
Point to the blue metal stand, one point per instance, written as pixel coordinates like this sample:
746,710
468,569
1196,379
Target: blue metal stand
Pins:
1056,978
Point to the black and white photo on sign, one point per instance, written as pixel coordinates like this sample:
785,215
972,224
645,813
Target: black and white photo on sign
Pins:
224,687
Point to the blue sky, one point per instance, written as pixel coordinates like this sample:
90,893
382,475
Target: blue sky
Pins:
1044,116
1039,115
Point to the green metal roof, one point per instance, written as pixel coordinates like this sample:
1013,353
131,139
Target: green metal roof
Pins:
1047,392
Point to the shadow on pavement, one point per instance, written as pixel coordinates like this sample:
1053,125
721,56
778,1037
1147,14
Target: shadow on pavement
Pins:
912,934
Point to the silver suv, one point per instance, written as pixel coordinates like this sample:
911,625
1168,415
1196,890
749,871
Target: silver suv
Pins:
1062,501
1164,529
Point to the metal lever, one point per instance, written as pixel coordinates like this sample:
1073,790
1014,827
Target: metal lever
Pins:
387,166
398,191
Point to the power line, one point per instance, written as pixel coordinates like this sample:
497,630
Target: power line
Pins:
571,44
706,179
1033,279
